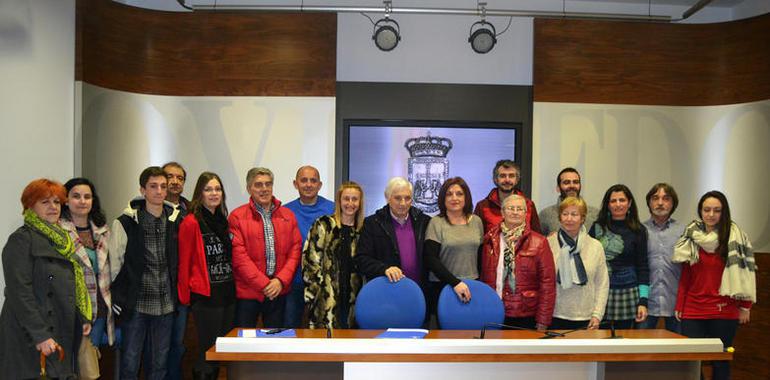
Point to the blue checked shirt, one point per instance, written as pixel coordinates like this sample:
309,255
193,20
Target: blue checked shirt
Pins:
267,224
664,274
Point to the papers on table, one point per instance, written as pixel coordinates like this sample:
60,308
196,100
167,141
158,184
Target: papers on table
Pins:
404,333
267,333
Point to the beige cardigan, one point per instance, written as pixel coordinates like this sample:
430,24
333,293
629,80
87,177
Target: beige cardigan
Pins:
580,303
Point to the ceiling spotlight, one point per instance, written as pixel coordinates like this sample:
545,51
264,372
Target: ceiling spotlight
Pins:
387,33
484,37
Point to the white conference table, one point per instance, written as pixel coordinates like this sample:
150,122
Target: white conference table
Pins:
450,355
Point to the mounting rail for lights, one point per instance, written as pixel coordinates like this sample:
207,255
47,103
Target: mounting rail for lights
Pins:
220,6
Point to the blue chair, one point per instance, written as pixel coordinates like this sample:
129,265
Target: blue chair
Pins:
485,307
382,304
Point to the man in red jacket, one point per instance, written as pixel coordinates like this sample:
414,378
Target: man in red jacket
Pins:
266,251
506,176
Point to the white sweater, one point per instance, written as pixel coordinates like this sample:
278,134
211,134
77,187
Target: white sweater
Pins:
580,303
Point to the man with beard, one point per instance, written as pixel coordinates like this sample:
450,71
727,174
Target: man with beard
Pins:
506,176
662,233
569,185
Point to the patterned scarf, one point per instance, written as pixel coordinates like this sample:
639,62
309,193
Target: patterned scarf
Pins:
63,244
739,275
510,236
612,243
571,270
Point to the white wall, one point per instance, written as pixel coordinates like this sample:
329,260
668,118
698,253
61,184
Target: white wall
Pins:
125,132
750,8
695,149
435,48
37,65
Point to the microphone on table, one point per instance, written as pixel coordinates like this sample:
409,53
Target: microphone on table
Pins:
328,332
548,334
613,334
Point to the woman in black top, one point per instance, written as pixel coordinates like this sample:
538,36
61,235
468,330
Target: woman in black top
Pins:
624,240
206,269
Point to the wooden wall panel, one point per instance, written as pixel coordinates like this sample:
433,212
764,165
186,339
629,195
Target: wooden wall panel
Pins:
205,53
751,342
583,61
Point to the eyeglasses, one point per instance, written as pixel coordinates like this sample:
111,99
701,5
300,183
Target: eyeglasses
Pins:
515,208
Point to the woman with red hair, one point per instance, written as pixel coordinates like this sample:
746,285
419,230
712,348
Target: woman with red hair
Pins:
47,301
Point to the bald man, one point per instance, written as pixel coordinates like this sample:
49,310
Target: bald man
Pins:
307,208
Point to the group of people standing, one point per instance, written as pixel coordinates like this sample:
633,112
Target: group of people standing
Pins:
69,277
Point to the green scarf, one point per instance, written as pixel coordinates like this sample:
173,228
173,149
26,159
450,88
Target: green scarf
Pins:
63,244
611,242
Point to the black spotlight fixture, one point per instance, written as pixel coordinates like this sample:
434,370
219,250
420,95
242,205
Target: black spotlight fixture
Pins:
483,35
484,38
387,33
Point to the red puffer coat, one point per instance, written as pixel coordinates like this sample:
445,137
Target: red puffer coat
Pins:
535,291
249,263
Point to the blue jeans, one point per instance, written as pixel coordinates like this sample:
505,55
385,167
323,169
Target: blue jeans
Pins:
295,306
176,349
98,330
670,322
157,331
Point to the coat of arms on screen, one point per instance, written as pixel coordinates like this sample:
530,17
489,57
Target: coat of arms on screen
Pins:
428,169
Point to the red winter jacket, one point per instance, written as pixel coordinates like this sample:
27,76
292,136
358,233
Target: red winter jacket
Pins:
535,292
193,270
489,210
249,261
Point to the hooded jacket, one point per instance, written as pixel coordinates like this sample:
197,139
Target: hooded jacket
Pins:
127,254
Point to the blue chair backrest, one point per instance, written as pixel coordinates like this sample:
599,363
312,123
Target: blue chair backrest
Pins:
485,307
382,304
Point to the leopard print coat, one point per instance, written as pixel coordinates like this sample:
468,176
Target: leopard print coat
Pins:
320,271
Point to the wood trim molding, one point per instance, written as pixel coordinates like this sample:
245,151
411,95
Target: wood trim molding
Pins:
205,53
582,61
212,353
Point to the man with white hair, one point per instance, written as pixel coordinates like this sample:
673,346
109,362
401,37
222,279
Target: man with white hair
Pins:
391,240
